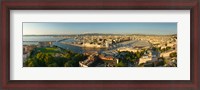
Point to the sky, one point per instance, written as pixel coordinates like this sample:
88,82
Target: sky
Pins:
56,28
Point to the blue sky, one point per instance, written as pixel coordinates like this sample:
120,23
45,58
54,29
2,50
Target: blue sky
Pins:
52,28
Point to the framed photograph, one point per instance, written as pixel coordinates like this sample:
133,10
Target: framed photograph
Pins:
130,44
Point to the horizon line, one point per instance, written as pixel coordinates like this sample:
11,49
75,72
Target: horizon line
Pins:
99,33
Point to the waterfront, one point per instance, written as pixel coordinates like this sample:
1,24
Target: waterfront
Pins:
40,38
34,39
65,43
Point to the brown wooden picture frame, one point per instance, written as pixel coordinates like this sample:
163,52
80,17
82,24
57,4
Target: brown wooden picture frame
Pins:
192,5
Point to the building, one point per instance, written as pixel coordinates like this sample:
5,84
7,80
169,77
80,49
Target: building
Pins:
26,55
167,54
149,56
130,49
27,51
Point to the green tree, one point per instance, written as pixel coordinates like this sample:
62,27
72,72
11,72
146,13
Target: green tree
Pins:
67,56
173,54
32,63
70,63
163,50
52,65
60,61
78,57
121,64
168,48
138,54
48,59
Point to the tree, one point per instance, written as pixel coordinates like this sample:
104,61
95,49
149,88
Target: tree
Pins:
67,56
138,54
159,49
163,50
121,64
67,65
70,63
78,57
160,63
154,49
32,63
60,61
173,54
128,58
53,65
168,48
32,53
48,59
40,58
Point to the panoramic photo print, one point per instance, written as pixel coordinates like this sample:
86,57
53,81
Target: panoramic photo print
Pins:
99,44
